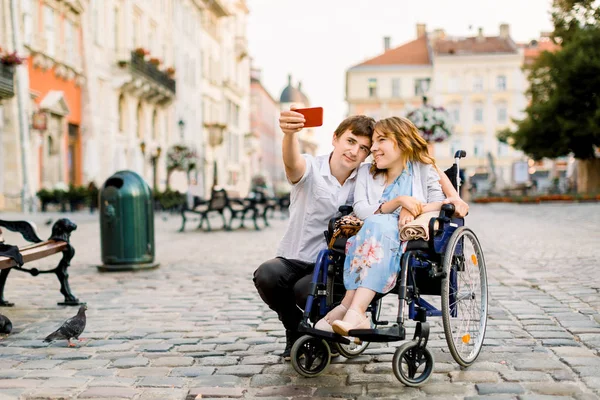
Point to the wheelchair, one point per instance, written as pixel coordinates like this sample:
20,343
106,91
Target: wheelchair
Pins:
450,264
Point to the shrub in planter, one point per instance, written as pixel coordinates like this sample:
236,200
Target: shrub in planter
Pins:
76,196
46,197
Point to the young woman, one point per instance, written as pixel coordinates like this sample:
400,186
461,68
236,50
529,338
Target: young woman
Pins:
401,184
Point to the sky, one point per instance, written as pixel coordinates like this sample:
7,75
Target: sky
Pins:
316,41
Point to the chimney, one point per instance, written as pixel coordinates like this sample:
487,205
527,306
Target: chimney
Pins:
255,73
438,34
386,43
421,30
480,37
504,31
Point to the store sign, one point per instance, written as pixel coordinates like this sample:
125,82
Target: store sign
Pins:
40,121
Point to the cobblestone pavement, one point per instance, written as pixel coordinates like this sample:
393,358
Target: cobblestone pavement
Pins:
195,327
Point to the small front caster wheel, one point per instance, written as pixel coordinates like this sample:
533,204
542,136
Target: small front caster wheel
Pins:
412,365
310,356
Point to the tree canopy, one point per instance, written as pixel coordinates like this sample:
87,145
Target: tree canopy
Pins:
564,111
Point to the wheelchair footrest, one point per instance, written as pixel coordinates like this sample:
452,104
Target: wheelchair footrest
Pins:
392,334
334,337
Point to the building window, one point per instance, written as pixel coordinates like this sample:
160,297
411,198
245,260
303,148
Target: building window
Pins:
478,113
501,83
478,148
27,22
478,84
155,125
502,114
140,121
422,86
454,111
49,31
502,149
372,87
396,87
70,42
453,84
122,113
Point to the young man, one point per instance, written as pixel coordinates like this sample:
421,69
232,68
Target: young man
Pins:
320,185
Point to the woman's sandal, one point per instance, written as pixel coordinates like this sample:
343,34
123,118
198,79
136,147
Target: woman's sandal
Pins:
337,313
352,320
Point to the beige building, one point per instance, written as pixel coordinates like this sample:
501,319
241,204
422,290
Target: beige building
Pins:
128,104
477,79
226,94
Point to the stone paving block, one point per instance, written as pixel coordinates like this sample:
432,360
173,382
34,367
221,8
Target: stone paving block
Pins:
95,372
582,361
286,391
216,392
474,376
196,348
191,372
51,373
538,365
337,392
112,381
526,376
49,393
491,397
39,364
262,380
69,382
143,371
240,370
499,388
232,347
85,364
173,362
18,383
130,362
161,347
217,361
109,392
161,382
261,360
70,356
162,394
543,397
445,389
12,373
553,388
217,381
370,378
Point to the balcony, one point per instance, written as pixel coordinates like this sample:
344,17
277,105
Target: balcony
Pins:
7,87
141,66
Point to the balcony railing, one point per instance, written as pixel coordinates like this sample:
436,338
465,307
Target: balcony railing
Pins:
150,71
7,86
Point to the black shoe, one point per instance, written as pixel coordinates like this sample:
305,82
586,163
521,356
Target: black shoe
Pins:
290,339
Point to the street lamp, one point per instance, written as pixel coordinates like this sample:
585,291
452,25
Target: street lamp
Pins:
181,124
215,138
154,159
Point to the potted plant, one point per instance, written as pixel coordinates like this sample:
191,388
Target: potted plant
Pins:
140,51
154,61
46,197
11,59
170,72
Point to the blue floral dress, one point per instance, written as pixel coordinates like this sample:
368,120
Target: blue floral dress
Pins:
373,254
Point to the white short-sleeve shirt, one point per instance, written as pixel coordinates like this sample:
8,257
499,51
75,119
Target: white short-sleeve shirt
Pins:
314,200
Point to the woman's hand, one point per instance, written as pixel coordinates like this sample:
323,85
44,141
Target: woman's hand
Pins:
404,218
414,206
461,209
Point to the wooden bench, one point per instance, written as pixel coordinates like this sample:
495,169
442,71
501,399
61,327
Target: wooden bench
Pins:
59,242
217,203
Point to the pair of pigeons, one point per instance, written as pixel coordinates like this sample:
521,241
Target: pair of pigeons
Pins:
70,329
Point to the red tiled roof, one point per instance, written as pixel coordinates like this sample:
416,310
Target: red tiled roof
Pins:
411,53
532,50
474,45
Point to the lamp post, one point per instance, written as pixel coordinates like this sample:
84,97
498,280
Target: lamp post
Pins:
215,138
181,124
154,159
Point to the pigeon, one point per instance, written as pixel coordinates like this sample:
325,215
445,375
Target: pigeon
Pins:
5,324
71,328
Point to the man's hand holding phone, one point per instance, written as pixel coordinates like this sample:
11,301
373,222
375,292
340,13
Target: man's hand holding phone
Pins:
291,121
297,118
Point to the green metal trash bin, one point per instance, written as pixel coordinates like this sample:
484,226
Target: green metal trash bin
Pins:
126,223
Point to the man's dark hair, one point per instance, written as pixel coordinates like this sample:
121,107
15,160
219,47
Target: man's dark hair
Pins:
360,125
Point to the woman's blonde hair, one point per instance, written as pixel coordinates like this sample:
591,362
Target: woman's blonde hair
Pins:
408,139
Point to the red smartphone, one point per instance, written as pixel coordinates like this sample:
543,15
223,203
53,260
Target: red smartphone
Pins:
313,116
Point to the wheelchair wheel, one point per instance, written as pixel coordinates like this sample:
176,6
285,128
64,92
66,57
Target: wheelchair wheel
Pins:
412,365
464,296
352,349
310,356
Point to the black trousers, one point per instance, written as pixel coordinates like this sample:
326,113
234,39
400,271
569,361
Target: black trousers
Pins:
283,285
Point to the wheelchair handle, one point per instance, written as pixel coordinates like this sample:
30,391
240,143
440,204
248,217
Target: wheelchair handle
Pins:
448,210
345,210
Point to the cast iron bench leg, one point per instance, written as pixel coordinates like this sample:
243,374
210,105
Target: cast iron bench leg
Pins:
3,276
63,277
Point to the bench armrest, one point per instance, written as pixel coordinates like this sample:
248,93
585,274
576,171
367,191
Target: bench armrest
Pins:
25,228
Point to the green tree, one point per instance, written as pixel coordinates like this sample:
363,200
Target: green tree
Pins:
564,111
